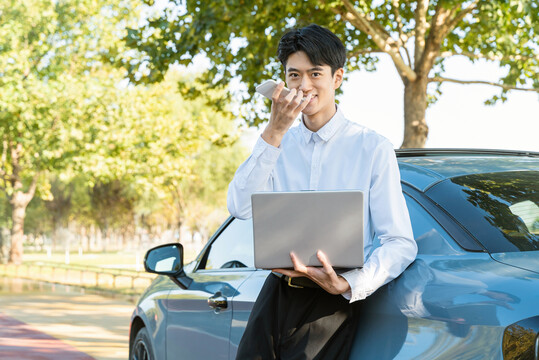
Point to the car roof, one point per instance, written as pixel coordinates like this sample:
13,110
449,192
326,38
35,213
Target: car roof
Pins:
423,168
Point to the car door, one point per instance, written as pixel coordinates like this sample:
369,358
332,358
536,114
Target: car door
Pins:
199,317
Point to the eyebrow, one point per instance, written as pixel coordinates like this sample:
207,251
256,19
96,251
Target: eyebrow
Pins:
316,68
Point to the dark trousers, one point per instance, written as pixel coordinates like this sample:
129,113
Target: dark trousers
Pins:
298,323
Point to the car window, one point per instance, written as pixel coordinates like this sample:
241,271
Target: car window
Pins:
233,248
431,238
501,210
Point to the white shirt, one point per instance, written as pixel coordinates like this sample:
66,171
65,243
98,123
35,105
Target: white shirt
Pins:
342,155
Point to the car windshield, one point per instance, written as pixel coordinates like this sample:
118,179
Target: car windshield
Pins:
501,210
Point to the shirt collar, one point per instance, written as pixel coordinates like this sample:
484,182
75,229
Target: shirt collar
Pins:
327,131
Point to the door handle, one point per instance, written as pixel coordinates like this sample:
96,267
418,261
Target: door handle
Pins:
217,301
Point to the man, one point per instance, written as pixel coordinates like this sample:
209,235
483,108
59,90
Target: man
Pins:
316,320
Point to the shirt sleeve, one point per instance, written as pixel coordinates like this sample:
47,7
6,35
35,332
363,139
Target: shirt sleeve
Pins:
255,174
391,223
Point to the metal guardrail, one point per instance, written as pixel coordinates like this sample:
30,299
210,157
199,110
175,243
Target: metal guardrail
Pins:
127,281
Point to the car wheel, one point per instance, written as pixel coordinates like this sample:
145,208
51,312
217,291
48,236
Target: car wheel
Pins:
142,347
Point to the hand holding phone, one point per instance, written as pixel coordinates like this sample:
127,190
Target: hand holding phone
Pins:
267,88
283,113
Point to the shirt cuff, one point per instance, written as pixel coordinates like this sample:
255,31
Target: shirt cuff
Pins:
359,285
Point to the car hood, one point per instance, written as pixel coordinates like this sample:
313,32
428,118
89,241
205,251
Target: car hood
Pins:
528,260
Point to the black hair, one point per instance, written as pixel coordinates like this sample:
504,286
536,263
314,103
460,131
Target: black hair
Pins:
321,46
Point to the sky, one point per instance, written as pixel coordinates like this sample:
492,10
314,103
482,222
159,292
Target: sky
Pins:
458,120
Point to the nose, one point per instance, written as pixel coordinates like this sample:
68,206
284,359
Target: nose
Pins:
305,85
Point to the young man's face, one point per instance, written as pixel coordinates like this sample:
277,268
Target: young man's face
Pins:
318,81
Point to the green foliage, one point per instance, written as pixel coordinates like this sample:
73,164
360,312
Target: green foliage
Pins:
506,31
239,37
152,147
38,220
194,155
104,152
51,54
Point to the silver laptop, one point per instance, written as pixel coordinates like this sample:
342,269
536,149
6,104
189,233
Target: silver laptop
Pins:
307,221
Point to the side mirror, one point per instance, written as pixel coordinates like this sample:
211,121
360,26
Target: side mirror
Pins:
164,259
167,260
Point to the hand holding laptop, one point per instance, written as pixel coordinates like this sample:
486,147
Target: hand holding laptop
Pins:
324,276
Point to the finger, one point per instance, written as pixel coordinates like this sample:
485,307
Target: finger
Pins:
297,104
315,274
288,272
324,261
298,265
291,96
277,91
296,101
305,102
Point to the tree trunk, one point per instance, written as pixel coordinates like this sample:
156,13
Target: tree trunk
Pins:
415,106
18,203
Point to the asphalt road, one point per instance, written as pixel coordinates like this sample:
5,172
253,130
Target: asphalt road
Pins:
46,321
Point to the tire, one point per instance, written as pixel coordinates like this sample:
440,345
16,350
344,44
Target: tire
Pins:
142,346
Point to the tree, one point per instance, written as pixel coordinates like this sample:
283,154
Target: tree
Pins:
156,156
149,154
239,38
185,151
204,191
50,55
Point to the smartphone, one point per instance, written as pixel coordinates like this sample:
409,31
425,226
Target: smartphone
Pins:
267,88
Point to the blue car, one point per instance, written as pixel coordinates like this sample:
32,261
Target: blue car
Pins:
472,292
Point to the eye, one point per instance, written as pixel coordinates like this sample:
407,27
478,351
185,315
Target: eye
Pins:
316,74
293,75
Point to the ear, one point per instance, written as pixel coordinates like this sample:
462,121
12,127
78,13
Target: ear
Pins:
338,78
